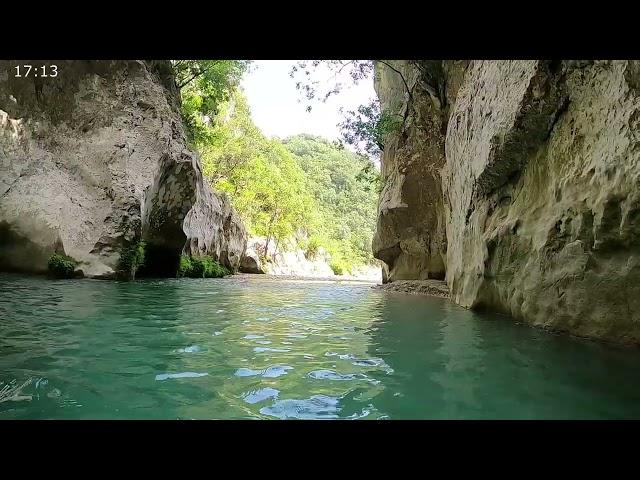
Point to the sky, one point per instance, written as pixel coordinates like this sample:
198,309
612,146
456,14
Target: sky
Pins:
275,109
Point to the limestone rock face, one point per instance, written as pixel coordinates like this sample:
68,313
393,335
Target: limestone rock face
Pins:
250,261
541,197
94,160
289,259
294,262
410,234
214,228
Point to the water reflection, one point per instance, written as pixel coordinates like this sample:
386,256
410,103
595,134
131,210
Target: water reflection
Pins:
463,361
257,348
469,365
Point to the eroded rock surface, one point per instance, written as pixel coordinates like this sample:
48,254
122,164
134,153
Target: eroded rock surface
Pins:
288,259
250,262
410,233
433,288
540,191
94,160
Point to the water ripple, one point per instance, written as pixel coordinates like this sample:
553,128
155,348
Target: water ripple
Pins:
260,395
268,349
154,349
331,375
167,376
269,372
190,349
316,407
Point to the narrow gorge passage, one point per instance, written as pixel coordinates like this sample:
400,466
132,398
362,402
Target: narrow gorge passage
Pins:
353,239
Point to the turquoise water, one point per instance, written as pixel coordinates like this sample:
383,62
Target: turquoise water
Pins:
252,347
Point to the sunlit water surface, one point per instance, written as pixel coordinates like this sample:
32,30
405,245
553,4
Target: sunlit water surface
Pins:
257,348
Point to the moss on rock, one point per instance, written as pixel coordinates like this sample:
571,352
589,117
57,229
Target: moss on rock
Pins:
201,267
131,259
61,266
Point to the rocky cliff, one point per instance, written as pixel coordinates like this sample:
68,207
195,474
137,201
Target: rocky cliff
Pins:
94,161
410,233
519,181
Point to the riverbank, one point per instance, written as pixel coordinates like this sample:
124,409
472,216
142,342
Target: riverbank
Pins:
340,279
434,288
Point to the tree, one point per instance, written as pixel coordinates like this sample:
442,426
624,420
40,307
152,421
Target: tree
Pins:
204,85
346,205
356,69
232,139
367,130
304,188
265,183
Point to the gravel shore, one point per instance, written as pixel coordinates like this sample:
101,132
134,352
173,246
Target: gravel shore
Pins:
435,288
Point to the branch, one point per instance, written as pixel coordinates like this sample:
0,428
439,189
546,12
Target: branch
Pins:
342,67
401,76
194,76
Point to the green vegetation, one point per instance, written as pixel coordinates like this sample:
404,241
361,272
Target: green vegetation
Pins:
61,266
201,267
204,85
263,179
367,128
131,259
302,189
345,205
339,267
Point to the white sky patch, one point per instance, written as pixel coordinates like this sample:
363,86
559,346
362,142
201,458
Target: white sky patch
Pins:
275,109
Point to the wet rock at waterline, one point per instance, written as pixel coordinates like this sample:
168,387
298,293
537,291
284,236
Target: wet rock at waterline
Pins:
250,262
410,231
214,228
434,288
531,168
96,160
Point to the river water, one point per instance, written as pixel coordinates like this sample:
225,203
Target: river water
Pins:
251,347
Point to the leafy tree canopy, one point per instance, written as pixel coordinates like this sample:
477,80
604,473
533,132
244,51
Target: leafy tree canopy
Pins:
365,129
204,85
265,183
346,204
304,187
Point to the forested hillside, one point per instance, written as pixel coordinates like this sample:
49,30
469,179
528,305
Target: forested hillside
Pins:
346,203
303,190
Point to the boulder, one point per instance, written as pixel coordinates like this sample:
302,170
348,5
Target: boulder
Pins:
250,262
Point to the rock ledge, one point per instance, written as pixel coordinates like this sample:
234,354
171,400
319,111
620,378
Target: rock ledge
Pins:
434,288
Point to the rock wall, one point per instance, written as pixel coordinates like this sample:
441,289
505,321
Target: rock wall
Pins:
410,232
214,228
95,160
540,190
